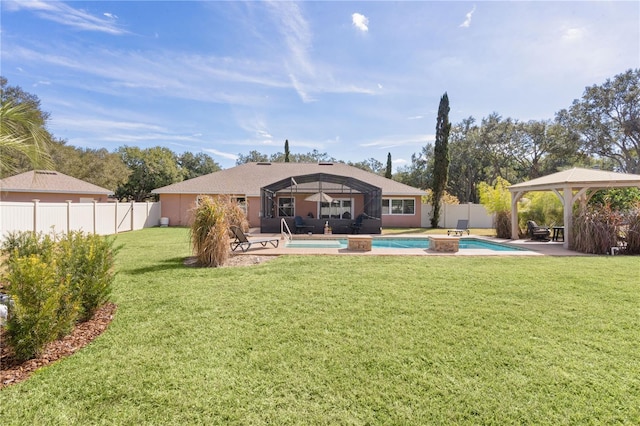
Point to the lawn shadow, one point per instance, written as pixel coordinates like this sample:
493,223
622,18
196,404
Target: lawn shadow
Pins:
165,265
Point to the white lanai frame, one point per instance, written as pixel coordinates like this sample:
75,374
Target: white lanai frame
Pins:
569,186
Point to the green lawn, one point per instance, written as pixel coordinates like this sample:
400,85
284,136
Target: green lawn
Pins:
351,340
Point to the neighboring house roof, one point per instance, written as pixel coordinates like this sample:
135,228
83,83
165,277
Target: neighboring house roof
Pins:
51,182
578,178
247,179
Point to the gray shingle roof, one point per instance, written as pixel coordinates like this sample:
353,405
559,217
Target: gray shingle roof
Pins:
247,179
49,181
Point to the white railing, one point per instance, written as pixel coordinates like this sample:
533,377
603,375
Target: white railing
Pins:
284,230
96,218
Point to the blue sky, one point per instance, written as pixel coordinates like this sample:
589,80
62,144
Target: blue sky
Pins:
353,79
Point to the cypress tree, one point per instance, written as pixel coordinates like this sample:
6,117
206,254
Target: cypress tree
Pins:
387,172
440,158
286,150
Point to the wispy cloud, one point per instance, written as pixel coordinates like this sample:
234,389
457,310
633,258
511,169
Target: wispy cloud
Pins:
467,21
573,34
66,15
222,154
297,37
360,21
399,140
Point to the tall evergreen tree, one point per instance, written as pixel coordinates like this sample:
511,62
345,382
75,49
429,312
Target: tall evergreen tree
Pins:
387,172
440,158
286,151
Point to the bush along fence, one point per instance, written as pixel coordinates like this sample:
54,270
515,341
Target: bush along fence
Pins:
52,283
96,218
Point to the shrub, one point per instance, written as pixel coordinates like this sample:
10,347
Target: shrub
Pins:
235,214
43,308
623,199
88,261
596,229
545,208
54,284
497,200
632,232
21,244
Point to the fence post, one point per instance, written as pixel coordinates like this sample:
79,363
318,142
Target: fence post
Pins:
68,216
116,217
95,216
35,215
133,204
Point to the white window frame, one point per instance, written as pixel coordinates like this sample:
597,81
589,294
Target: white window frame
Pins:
281,208
388,204
338,205
242,203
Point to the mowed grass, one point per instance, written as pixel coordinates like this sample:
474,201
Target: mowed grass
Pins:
352,340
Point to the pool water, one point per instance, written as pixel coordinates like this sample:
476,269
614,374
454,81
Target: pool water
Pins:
402,243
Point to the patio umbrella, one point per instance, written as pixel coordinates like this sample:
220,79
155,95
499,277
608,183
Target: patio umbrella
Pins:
321,197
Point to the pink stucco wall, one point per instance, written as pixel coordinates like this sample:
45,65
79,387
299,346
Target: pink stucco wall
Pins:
404,220
50,197
177,208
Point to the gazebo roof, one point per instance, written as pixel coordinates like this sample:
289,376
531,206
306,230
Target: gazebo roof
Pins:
578,178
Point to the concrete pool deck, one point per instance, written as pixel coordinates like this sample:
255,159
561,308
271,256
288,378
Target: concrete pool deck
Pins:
532,248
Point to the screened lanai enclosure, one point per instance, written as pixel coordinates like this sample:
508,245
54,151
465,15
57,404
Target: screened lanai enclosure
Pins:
321,199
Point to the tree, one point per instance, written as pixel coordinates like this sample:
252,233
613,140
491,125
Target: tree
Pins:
151,168
607,120
440,158
97,166
418,172
279,157
286,150
253,157
23,133
196,165
371,165
388,173
468,163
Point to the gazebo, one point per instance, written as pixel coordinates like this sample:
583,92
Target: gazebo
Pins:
569,185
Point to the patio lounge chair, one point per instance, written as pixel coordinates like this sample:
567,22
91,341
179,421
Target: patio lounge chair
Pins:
245,244
461,227
300,227
357,225
537,232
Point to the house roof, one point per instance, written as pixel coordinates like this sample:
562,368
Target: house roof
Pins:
51,182
578,178
247,179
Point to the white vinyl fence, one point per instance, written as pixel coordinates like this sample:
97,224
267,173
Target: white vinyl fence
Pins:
476,214
96,218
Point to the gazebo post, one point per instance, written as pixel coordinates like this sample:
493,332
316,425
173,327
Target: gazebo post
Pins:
568,216
515,232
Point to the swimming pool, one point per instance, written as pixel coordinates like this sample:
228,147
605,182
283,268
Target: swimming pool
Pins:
403,243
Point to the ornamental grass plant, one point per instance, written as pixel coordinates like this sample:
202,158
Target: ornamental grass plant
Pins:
209,231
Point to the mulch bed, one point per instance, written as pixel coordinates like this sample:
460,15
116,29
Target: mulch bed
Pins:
12,371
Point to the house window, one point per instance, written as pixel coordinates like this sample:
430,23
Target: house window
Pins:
286,206
398,206
339,208
242,203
